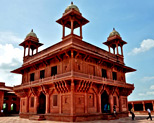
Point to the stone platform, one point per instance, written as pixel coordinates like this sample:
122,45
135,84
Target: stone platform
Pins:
138,119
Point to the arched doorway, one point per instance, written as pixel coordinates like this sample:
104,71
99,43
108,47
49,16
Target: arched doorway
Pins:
105,102
42,104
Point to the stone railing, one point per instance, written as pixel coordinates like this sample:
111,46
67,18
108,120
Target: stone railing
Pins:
83,76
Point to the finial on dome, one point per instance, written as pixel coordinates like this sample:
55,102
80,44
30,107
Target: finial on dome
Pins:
72,3
113,28
32,30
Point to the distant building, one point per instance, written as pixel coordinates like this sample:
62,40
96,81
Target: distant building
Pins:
140,106
73,80
9,102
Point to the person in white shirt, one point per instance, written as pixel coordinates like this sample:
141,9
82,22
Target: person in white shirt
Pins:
149,113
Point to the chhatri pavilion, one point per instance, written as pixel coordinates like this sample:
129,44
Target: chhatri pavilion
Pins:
73,80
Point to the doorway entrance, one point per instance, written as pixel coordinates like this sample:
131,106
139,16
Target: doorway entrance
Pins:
105,107
42,104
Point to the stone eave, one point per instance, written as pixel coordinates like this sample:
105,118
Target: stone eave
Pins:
76,44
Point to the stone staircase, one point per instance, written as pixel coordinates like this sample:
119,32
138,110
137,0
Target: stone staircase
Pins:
37,117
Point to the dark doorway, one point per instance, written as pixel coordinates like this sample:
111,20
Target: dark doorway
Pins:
138,107
105,107
5,107
13,108
149,105
42,104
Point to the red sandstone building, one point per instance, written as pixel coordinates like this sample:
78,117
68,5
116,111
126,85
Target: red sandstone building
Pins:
140,106
73,80
9,102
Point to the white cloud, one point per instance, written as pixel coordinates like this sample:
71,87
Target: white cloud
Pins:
148,93
9,37
146,79
10,58
145,46
152,87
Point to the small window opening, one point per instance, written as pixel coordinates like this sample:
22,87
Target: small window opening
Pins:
32,76
104,73
53,70
114,75
42,74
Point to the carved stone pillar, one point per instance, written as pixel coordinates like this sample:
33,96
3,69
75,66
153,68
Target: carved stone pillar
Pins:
81,31
24,51
99,109
120,104
72,97
117,49
109,49
86,103
111,102
143,106
35,104
153,105
27,104
72,26
47,104
122,50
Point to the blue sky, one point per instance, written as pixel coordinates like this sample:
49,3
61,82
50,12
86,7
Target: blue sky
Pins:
134,21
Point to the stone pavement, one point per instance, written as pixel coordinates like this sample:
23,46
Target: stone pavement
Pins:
138,119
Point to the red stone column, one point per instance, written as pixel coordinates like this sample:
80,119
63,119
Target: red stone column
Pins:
114,50
72,26
63,31
99,103
109,49
28,50
133,105
35,104
81,31
72,97
111,102
24,51
120,104
86,103
1,100
117,48
20,111
122,50
143,106
153,105
60,104
37,50
47,104
27,104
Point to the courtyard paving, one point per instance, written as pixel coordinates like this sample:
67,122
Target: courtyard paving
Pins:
138,119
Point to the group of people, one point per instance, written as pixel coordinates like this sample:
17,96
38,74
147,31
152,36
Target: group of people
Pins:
133,115
107,108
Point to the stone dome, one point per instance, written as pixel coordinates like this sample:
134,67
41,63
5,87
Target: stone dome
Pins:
113,33
31,34
72,7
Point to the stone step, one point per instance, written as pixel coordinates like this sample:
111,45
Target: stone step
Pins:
37,117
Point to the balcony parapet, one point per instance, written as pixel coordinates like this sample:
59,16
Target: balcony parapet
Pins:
74,75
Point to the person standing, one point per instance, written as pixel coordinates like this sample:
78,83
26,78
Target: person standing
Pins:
149,113
132,112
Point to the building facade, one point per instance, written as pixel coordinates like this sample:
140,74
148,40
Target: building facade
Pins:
9,102
140,106
73,80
